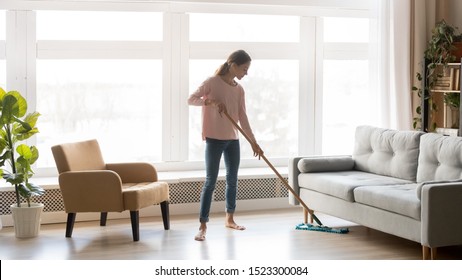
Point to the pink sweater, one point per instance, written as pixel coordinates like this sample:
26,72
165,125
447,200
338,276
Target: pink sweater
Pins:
233,97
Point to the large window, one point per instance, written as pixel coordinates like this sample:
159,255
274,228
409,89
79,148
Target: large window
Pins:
108,90
123,77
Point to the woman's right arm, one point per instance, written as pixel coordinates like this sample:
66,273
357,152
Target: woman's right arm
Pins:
198,98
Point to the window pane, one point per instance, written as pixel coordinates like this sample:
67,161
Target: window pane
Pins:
244,28
272,106
347,103
118,102
2,48
91,25
3,74
351,30
2,25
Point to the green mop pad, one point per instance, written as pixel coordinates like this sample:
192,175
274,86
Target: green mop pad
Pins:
304,226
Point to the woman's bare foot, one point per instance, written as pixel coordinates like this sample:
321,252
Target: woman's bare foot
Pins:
230,223
200,236
235,226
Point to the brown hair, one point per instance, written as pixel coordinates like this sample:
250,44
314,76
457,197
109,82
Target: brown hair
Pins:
238,57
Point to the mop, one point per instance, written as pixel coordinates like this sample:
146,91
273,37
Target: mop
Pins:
302,226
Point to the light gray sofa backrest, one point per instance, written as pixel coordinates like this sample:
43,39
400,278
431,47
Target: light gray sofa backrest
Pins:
387,152
440,158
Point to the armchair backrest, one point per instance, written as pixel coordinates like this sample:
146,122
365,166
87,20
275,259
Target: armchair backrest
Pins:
78,156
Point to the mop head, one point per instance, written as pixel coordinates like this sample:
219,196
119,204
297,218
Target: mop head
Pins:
321,228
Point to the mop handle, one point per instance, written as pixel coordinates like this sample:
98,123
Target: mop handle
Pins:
269,164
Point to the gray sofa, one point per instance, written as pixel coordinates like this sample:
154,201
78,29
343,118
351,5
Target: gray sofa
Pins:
405,183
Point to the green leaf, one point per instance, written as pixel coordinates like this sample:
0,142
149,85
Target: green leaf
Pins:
2,94
35,155
14,178
29,189
27,135
3,144
10,109
21,103
24,151
32,118
24,191
26,129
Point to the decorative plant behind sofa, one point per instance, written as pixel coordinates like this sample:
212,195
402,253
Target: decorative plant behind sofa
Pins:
438,53
16,127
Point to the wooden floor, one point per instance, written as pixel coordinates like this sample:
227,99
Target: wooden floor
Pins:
270,235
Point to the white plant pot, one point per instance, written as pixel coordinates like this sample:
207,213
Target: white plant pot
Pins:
27,219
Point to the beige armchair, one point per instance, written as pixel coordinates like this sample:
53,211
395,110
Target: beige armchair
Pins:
88,184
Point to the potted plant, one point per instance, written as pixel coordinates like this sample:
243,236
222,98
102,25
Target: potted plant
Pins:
439,52
18,157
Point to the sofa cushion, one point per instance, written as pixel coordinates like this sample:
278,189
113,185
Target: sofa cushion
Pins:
387,152
341,184
400,199
325,163
440,158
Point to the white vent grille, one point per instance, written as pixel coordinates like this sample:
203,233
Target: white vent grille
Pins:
52,200
183,192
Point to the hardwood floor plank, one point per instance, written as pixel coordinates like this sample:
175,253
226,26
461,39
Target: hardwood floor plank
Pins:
270,235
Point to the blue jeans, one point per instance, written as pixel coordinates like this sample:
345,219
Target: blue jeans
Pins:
232,155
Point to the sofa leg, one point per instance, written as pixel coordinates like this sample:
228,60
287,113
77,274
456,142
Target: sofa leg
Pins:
428,253
433,253
135,219
305,215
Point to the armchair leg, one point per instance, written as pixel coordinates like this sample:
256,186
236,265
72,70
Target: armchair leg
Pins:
164,208
102,221
70,224
135,219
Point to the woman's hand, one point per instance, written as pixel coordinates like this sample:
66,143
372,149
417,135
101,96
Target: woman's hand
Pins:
257,151
211,102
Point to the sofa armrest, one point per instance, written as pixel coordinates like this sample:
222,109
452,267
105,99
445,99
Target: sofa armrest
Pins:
293,179
441,214
326,164
134,172
306,164
91,191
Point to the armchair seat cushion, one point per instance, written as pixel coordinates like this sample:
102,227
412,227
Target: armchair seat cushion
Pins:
140,195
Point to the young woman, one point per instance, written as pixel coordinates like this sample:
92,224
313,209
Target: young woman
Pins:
216,94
